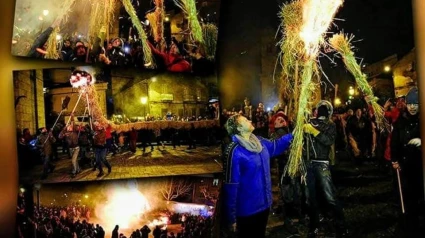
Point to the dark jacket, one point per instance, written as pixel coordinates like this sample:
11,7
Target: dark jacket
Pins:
247,187
405,129
71,138
319,147
39,42
45,144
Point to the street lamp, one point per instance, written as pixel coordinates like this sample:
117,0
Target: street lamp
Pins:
45,12
351,91
337,102
387,68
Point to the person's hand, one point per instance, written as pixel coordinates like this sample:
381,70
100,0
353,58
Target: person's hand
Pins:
396,165
415,141
309,129
387,104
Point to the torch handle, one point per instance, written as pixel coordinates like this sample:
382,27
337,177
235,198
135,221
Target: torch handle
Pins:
400,190
53,127
73,110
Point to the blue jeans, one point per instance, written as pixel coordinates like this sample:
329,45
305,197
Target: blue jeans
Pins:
100,155
319,183
47,165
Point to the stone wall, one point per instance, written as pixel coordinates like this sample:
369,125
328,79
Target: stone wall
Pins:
29,111
404,74
59,94
40,99
183,95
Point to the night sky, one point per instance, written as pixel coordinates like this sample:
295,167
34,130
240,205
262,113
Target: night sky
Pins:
384,27
380,27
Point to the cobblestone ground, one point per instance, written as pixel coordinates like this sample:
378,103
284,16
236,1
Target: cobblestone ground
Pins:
159,162
367,196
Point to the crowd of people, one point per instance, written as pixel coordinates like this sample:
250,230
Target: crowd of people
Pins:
88,147
74,222
257,135
171,55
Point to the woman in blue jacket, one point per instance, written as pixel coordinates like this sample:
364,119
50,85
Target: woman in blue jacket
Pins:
247,187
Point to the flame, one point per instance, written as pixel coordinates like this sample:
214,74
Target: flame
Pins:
162,221
317,17
125,208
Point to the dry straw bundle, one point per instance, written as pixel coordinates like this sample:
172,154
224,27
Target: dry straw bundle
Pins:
147,54
52,43
100,19
292,49
189,8
52,51
92,97
317,16
210,34
156,20
342,44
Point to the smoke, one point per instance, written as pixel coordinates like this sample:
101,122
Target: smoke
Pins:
125,207
127,203
34,16
130,204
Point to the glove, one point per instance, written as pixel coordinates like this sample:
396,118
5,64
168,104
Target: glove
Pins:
309,129
415,141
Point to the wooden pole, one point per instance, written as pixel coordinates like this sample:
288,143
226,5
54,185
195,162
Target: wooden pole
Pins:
400,190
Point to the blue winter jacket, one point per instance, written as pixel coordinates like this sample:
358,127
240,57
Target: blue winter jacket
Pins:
247,186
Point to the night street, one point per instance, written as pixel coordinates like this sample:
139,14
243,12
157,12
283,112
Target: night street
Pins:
164,162
370,205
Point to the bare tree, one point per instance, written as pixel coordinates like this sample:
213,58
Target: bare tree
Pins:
173,189
208,196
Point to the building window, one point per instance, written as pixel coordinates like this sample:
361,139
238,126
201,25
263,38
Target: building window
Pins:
215,182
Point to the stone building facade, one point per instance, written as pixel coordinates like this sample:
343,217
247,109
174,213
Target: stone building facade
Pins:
181,94
57,95
404,74
29,100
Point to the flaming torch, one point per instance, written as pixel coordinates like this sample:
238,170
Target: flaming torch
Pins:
317,17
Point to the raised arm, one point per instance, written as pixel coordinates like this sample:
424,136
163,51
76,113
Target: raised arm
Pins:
278,146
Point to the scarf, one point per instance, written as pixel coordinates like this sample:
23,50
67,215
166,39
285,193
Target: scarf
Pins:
253,144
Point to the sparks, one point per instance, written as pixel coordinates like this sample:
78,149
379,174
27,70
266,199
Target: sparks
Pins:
317,17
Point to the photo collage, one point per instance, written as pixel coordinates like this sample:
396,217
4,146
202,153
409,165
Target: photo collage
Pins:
128,139
213,118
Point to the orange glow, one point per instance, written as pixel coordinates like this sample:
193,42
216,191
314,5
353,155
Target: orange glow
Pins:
317,17
125,208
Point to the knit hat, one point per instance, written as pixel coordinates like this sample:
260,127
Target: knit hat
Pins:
412,96
277,121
